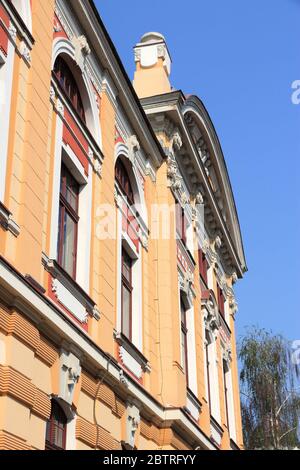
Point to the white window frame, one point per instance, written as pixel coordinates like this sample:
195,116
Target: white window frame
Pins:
125,242
213,377
23,7
230,401
64,154
6,82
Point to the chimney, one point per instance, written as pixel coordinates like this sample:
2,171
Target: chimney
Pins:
153,66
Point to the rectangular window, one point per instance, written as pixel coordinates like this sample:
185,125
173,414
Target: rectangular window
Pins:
226,393
181,223
68,222
202,266
221,301
184,331
126,295
207,367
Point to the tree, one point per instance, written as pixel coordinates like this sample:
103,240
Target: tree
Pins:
270,389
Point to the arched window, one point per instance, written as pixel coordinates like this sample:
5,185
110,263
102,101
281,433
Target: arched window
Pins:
123,181
69,85
56,428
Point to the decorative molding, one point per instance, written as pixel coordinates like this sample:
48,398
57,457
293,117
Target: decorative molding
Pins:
7,221
70,371
123,379
82,51
69,293
97,165
218,242
12,32
211,313
59,107
131,357
216,432
145,241
25,52
63,21
186,286
66,298
132,422
227,354
96,313
193,405
52,94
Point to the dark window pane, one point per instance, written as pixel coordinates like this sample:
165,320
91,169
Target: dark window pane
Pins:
126,311
123,181
69,239
69,85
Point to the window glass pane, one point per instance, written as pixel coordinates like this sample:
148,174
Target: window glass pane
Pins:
126,266
183,352
126,307
72,190
69,238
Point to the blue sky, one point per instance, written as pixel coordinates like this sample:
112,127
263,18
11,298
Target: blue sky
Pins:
241,58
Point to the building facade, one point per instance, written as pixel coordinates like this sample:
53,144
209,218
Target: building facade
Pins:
119,245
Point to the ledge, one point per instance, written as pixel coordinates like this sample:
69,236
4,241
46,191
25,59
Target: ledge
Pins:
216,431
130,355
62,278
193,405
233,445
7,222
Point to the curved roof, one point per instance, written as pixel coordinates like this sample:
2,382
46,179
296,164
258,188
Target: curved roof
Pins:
196,109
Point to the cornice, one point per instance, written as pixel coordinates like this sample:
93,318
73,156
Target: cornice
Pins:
193,167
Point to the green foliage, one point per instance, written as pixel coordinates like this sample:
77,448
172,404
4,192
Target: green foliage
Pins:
270,391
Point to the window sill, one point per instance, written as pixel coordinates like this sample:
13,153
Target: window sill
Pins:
233,445
216,431
131,357
69,293
7,222
193,405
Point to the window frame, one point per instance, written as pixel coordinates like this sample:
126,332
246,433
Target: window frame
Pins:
127,284
203,266
221,301
181,223
63,74
65,208
184,342
123,181
225,371
207,367
51,426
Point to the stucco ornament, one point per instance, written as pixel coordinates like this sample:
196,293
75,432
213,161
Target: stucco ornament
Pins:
133,147
174,180
186,286
176,141
211,315
227,354
70,371
82,50
199,198
133,421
